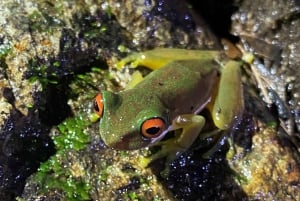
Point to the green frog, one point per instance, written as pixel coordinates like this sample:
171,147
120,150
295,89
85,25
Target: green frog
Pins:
182,83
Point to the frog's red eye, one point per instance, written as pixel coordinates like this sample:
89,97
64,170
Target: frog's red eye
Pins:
98,104
152,128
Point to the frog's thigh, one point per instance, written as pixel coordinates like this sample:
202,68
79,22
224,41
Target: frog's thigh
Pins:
160,57
229,102
191,125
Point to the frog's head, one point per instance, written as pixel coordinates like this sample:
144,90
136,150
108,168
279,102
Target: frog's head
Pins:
127,122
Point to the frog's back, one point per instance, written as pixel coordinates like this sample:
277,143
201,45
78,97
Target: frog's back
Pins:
182,85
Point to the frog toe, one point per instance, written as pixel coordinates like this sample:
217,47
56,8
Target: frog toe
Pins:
168,150
134,60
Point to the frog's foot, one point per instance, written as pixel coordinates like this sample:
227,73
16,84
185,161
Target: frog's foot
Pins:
169,149
248,58
133,59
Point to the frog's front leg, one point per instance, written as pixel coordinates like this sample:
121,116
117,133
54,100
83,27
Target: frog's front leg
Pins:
191,126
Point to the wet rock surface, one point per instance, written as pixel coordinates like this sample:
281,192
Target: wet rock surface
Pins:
271,30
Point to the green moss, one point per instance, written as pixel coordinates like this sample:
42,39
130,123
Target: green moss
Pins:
53,174
41,73
95,32
5,49
272,124
56,64
133,196
88,83
43,21
72,134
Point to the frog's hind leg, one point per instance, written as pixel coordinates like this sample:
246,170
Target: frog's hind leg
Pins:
159,57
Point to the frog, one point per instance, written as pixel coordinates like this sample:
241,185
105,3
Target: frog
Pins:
182,83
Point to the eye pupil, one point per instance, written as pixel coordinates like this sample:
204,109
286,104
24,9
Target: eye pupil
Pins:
96,108
153,130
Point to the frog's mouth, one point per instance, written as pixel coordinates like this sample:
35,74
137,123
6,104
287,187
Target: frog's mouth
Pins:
130,142
135,141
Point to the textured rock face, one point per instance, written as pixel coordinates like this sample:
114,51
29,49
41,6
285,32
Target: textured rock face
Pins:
272,30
